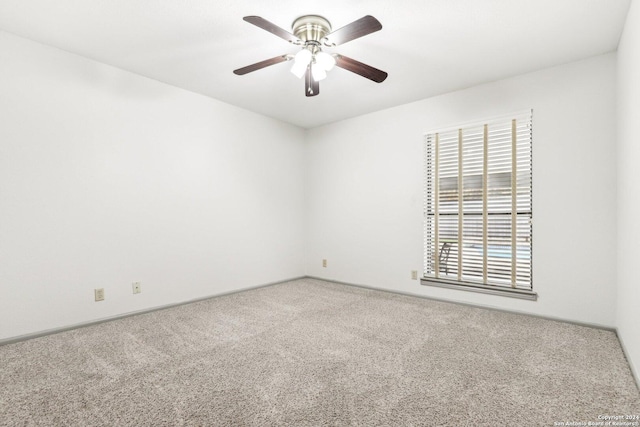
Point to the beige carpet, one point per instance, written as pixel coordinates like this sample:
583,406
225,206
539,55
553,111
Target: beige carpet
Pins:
310,352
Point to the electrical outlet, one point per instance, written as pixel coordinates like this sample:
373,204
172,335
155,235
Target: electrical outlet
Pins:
137,288
324,262
414,274
99,294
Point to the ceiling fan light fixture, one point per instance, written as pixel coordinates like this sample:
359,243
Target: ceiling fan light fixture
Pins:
304,57
325,60
301,61
318,72
298,69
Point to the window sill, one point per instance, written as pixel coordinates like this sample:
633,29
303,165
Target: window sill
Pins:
484,289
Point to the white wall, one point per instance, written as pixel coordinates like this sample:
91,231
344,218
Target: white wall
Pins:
364,190
107,177
628,180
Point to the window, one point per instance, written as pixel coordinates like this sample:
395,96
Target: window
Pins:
477,216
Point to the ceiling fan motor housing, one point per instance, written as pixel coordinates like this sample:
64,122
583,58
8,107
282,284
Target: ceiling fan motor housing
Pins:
311,28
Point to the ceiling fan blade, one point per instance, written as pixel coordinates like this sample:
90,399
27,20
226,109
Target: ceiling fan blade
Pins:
272,28
363,26
311,87
262,64
364,70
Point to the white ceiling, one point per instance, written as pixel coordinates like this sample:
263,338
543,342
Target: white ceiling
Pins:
428,47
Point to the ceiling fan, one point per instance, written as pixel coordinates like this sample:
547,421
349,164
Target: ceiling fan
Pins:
312,32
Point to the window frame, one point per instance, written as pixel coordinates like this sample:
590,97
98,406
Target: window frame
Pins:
432,255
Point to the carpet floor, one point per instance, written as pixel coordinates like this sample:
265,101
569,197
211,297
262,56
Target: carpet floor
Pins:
309,353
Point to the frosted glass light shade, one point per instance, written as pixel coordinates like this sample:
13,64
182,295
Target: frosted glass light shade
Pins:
301,62
318,72
299,69
326,61
303,57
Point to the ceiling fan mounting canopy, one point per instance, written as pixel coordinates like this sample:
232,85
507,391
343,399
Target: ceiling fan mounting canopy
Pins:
311,28
311,32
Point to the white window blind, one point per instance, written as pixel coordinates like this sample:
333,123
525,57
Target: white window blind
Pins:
477,212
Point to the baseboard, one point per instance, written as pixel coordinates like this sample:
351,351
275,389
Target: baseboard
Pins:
486,307
25,337
633,369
